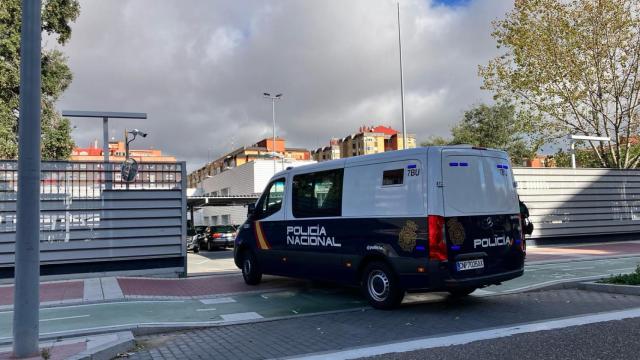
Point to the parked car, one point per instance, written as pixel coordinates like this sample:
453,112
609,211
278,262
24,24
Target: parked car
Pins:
193,240
218,236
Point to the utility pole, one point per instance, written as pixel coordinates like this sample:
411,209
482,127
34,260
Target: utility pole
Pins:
273,116
404,128
26,298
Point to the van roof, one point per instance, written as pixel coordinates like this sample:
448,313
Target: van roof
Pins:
387,155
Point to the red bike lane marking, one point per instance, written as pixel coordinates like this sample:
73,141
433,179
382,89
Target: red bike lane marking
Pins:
53,291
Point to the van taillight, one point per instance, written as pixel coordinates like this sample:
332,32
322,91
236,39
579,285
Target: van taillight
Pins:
437,244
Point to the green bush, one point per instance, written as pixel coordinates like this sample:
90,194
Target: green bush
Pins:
625,279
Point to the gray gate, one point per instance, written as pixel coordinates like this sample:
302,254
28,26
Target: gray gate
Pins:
86,228
581,202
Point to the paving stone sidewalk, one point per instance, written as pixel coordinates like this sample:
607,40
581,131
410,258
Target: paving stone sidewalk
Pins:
371,327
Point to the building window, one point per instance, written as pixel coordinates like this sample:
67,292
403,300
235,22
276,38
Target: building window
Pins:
206,220
224,220
392,177
317,194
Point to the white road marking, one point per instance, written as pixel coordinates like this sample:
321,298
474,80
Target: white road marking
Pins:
465,338
625,269
222,300
202,262
264,296
209,309
65,318
241,316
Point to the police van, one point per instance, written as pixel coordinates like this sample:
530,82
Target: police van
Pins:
424,219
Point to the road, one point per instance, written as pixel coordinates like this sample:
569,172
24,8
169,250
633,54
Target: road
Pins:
331,336
293,299
606,340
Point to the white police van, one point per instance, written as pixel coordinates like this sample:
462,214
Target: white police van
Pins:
426,219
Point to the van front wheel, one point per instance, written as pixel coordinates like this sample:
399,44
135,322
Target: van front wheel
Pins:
250,270
381,287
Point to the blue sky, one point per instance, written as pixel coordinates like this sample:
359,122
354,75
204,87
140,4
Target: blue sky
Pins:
452,2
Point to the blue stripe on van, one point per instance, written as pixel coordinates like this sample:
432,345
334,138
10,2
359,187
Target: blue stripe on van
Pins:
499,166
411,166
420,247
464,164
505,167
453,164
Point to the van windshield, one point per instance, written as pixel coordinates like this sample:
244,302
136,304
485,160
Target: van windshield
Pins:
476,184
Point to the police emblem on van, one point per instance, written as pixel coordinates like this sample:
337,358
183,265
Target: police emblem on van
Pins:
456,231
407,236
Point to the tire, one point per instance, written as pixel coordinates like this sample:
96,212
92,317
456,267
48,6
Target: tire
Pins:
250,269
381,286
196,250
461,292
210,246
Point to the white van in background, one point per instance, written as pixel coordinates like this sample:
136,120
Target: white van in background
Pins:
425,219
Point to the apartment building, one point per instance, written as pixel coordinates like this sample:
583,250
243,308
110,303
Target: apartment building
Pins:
368,140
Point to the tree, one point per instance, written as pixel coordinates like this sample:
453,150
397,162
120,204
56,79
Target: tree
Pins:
576,65
56,77
585,157
497,126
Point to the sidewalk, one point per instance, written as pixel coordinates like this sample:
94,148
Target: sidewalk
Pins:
539,254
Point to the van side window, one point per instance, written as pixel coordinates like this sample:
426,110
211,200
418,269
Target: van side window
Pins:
317,194
271,201
392,177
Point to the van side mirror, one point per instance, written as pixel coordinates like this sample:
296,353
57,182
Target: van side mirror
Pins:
251,209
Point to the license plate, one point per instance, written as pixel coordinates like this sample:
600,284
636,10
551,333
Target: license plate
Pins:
470,264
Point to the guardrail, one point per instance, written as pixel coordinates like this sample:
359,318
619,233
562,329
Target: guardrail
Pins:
578,202
89,225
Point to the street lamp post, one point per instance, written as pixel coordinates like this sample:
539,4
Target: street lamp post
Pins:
573,138
404,128
273,116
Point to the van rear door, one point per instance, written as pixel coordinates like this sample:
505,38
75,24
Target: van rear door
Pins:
481,212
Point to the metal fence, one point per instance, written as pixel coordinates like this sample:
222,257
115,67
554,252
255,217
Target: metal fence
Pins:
88,218
580,202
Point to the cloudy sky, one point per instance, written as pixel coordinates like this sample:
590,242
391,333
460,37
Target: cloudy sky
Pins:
199,68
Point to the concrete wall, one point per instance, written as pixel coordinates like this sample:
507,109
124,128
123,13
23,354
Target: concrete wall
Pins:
581,202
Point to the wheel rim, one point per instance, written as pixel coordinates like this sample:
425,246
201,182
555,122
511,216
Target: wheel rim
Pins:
246,267
378,285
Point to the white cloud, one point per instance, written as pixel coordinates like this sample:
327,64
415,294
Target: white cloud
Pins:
199,68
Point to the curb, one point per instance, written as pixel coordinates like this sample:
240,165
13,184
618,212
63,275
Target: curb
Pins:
110,350
610,288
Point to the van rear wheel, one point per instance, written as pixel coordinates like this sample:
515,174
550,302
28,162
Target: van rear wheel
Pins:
250,270
381,286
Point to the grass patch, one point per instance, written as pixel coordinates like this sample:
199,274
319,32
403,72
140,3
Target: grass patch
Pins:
624,279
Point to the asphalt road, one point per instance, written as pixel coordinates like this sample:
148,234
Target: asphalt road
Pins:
322,335
618,339
302,298
211,262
